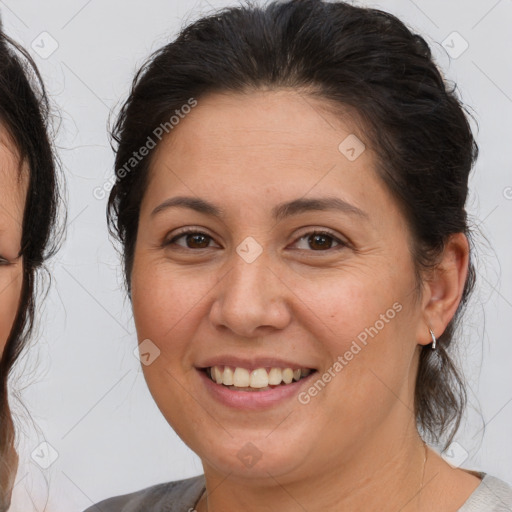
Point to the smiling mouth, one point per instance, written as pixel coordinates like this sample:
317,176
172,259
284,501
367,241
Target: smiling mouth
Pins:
260,379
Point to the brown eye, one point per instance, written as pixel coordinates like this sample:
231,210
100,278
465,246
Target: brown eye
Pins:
197,241
321,241
190,240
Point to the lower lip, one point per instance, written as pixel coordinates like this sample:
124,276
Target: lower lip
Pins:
253,400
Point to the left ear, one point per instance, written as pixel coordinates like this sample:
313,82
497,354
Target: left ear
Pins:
442,289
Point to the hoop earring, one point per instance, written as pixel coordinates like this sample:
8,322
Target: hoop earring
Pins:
433,339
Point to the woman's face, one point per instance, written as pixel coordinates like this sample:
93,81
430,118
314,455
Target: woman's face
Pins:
13,189
255,288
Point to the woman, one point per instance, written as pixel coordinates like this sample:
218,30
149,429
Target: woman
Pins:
28,203
290,194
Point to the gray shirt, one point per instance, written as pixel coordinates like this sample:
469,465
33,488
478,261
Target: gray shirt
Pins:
492,495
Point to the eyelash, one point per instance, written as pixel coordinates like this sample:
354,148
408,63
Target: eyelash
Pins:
191,231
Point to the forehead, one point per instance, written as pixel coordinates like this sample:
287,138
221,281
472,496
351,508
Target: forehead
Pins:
260,142
14,177
259,122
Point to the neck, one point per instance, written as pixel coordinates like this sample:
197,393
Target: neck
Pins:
381,477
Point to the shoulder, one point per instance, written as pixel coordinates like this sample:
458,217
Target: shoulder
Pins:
492,494
178,496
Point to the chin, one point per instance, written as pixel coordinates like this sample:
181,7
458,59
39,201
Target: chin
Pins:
260,459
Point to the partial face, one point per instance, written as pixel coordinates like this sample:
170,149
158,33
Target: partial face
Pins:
13,189
288,254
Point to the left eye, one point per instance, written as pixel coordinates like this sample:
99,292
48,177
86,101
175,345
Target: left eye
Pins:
320,241
316,240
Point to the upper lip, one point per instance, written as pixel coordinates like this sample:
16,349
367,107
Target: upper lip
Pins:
252,363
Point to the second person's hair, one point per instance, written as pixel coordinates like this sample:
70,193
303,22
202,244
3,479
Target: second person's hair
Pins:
24,113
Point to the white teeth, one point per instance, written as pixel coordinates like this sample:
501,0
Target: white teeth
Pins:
240,377
275,376
287,375
258,378
227,378
217,375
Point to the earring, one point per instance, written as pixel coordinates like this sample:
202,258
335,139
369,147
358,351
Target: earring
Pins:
433,339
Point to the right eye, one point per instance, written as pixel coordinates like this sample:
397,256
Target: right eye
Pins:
193,240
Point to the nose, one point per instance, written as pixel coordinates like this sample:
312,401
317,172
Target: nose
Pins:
251,299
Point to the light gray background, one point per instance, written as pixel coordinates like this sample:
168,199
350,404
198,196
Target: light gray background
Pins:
81,383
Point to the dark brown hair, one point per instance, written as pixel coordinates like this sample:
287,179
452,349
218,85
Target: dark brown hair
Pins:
24,112
355,57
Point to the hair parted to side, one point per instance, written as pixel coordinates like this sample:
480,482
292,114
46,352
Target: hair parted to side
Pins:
355,58
25,114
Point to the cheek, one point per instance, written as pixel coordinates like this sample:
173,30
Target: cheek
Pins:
10,292
168,304
365,323
352,304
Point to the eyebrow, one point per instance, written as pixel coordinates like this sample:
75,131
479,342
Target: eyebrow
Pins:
279,212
